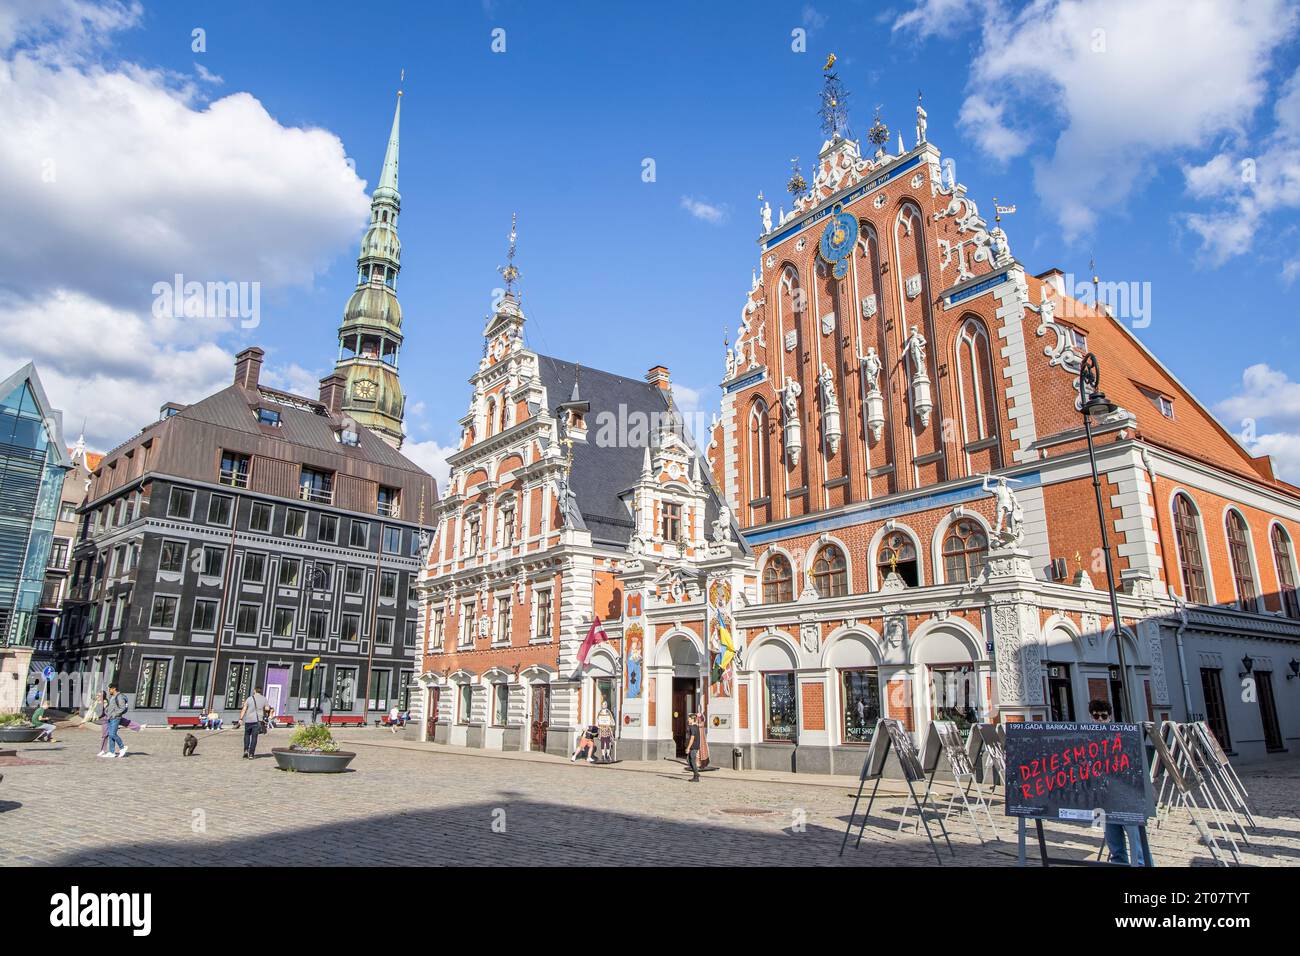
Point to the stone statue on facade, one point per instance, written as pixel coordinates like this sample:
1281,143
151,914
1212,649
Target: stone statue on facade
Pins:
1010,528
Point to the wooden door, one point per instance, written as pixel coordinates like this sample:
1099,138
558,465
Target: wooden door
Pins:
683,704
541,717
1268,710
431,715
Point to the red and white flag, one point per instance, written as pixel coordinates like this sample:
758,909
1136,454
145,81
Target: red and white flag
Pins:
595,636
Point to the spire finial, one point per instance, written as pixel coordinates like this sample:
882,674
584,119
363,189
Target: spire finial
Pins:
797,184
509,271
401,82
834,109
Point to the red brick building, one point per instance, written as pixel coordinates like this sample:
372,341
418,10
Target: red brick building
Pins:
910,525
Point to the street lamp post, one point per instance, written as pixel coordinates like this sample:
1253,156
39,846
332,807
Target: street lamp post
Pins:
1095,406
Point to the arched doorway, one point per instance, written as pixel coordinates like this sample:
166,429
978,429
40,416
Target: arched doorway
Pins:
686,686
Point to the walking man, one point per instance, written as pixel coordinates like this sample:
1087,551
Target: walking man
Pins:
115,708
693,746
251,715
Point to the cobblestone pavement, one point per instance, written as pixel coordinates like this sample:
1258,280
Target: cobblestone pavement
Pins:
409,804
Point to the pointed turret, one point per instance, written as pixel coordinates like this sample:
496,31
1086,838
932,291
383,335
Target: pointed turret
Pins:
370,336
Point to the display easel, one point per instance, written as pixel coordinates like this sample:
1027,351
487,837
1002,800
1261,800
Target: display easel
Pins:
1219,769
944,738
987,756
891,735
1182,781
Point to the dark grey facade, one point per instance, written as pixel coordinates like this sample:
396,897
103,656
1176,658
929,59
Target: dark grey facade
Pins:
189,589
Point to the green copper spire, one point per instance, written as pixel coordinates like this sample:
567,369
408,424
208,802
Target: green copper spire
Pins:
370,336
388,176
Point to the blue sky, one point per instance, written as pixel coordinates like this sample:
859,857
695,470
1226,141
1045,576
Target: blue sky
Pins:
1125,145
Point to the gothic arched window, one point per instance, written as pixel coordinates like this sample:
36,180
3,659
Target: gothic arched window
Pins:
965,551
758,444
975,383
778,580
898,554
1284,558
830,572
1243,574
1187,535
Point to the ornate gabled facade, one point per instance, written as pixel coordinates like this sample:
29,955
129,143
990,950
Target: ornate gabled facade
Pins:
575,495
370,337
902,446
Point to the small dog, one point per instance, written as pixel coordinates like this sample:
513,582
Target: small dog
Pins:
191,744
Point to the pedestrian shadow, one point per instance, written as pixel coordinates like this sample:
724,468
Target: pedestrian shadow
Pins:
7,805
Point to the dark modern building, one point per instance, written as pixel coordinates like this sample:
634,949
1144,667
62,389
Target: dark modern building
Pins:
33,462
236,541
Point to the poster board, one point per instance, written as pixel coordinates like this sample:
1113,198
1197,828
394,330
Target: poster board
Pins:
891,734
1165,760
1066,771
1209,743
944,738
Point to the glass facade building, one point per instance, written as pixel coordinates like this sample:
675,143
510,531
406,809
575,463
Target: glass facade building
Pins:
33,462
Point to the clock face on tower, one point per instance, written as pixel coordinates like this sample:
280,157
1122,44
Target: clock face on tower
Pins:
364,389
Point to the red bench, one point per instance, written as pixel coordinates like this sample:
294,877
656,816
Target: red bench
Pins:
175,722
344,720
282,720
386,721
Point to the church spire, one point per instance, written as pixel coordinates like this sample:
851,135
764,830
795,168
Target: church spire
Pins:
388,176
370,337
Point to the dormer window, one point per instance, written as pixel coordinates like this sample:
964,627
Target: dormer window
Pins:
268,416
1078,340
348,436
1163,403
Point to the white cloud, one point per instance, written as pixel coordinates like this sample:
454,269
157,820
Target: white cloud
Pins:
813,18
1264,414
432,457
941,18
1265,393
114,179
1250,182
985,122
1126,84
704,211
292,377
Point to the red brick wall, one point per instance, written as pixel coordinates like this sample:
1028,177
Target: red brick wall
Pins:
814,706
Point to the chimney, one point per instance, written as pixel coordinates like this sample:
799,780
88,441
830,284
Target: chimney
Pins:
332,388
1055,278
248,367
658,376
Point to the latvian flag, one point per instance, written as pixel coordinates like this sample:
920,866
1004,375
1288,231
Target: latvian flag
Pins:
595,636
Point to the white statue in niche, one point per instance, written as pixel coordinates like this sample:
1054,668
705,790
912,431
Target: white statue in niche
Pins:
830,408
793,431
767,217
916,349
1011,516
871,367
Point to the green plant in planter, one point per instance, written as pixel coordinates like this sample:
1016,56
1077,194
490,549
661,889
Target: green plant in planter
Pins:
7,720
313,738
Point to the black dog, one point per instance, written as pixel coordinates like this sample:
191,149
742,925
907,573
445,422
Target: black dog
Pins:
191,744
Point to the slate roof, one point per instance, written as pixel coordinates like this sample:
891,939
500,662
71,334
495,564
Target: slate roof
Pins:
601,474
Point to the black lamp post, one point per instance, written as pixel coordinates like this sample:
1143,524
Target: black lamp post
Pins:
1096,406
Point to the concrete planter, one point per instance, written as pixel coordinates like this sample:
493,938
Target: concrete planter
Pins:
304,761
18,734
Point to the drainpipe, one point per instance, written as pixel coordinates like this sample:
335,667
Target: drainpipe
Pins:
1181,605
